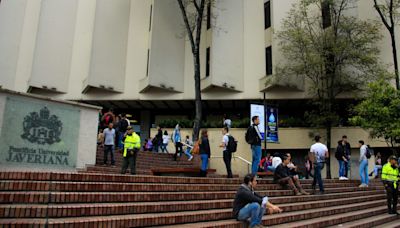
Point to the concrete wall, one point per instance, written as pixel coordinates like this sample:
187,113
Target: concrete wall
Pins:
83,132
292,140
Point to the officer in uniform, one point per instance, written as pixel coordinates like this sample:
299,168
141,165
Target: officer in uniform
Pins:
390,178
131,149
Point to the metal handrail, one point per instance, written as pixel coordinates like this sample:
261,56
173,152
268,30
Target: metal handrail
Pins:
240,158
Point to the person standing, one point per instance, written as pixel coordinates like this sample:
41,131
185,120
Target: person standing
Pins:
109,139
363,164
390,178
122,125
318,153
227,155
250,206
347,155
340,155
309,166
131,149
205,152
253,137
177,140
165,140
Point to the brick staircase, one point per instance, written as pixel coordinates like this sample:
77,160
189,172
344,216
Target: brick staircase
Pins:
29,199
145,162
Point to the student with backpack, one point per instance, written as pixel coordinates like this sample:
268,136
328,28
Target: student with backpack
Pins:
253,137
227,145
364,156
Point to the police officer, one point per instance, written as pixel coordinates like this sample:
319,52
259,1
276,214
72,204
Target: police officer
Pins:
131,149
390,178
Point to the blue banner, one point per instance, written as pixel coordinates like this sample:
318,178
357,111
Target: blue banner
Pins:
272,125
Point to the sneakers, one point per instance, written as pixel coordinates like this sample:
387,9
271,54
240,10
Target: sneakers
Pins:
363,186
343,178
191,157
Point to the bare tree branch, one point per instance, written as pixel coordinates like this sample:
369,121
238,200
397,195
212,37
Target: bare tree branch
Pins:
378,9
187,24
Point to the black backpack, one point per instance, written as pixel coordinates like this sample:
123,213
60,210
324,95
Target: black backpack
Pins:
368,153
232,144
338,153
249,135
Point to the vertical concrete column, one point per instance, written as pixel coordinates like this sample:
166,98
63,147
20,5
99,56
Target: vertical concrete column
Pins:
145,124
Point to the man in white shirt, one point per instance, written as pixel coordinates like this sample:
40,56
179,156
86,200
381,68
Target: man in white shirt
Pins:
109,139
318,153
363,164
227,155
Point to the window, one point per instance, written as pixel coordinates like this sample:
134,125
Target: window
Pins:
267,14
208,62
208,16
148,58
151,13
268,60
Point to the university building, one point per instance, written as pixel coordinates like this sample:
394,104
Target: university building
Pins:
133,56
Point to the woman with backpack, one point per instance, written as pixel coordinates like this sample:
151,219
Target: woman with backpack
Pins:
205,152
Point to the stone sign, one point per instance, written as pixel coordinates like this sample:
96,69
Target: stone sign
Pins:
41,134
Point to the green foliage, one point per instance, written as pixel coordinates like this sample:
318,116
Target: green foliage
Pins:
380,112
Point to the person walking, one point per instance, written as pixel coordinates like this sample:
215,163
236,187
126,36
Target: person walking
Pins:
390,178
165,141
205,152
109,139
318,153
250,206
363,164
340,155
131,149
158,140
227,155
189,146
253,137
177,140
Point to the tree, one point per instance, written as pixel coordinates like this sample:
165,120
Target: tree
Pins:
333,51
193,16
388,11
379,113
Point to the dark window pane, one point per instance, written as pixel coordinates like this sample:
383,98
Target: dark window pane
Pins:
208,62
267,14
208,16
268,60
148,58
151,12
326,14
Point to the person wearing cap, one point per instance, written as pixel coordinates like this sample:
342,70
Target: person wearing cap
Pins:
390,178
131,149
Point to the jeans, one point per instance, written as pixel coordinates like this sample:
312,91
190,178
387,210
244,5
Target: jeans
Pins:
252,211
376,169
120,137
187,152
256,151
109,149
271,169
317,176
204,161
364,171
227,160
164,147
342,169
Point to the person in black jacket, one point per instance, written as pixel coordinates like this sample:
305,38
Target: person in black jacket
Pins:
253,137
250,205
205,152
340,155
283,176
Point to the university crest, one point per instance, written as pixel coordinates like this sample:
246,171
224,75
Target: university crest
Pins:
41,128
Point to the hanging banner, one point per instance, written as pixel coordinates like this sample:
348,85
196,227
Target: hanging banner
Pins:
272,125
258,110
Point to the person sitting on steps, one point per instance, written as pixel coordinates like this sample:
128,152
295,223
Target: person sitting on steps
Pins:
250,206
284,177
